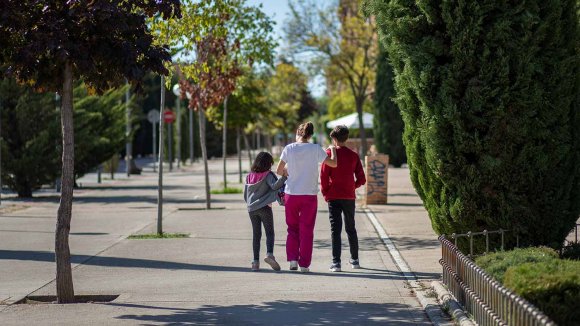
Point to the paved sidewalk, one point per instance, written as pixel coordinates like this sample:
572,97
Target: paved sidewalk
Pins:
204,279
408,225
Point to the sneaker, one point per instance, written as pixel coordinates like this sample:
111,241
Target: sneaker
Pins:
293,265
304,269
270,260
335,267
354,264
255,265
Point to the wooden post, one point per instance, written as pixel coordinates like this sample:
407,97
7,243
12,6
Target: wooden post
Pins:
377,168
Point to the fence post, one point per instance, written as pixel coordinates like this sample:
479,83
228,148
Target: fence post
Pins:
470,245
486,241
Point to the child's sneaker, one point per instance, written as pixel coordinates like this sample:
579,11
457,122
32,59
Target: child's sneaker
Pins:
335,267
255,265
305,269
354,264
293,265
270,260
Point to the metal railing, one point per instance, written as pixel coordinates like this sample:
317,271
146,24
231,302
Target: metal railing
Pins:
470,235
486,299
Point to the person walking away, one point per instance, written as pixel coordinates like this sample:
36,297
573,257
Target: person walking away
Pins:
301,160
260,191
338,186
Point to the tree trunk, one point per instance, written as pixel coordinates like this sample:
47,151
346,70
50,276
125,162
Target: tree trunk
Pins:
204,156
64,283
160,160
191,138
247,143
239,148
363,134
225,142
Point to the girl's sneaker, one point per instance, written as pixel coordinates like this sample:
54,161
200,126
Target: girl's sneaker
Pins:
354,264
305,269
270,260
255,265
335,267
293,265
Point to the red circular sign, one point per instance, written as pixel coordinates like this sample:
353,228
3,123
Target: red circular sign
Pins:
168,116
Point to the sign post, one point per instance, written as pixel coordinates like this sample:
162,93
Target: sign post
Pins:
169,118
153,117
377,168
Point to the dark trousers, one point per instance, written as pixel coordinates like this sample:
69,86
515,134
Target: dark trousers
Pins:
258,217
337,208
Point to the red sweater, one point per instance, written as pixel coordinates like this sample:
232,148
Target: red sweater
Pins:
341,181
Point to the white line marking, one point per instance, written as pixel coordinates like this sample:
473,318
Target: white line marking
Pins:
432,309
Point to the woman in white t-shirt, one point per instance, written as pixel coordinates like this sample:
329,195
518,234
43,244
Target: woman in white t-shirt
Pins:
301,160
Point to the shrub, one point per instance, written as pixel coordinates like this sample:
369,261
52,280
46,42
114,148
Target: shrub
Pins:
571,251
488,91
553,287
496,264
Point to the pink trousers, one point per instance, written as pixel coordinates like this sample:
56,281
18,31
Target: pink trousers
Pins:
300,218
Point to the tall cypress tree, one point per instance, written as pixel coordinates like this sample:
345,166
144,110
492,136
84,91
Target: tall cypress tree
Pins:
488,91
388,124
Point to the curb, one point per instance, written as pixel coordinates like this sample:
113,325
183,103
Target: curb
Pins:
431,307
449,303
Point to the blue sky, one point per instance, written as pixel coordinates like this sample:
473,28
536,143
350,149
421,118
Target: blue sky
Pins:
278,10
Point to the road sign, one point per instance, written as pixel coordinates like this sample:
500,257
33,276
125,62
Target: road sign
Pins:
153,116
168,116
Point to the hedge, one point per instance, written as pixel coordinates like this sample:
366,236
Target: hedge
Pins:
552,286
496,264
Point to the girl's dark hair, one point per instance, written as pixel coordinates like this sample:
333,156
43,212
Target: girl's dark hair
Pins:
263,162
305,130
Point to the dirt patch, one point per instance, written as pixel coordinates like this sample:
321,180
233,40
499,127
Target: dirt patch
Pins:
51,299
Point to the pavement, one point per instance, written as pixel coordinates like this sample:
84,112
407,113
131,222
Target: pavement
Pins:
205,279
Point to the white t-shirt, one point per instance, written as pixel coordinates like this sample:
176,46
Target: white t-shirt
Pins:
302,163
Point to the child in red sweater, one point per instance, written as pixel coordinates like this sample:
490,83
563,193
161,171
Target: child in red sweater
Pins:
338,188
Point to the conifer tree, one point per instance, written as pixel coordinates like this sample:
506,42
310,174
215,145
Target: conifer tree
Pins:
488,91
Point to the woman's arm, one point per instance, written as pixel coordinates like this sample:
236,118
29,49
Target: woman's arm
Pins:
331,161
274,182
281,167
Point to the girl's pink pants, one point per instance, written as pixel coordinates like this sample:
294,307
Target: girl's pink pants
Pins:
300,218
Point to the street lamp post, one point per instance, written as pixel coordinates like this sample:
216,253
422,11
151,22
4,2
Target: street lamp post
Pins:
177,92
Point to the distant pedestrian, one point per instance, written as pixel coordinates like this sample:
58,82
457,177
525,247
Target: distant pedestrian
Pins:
260,191
301,160
338,188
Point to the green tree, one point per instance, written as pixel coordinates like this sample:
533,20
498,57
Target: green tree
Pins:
343,103
388,124
488,91
30,137
31,151
284,92
344,45
226,36
99,127
104,42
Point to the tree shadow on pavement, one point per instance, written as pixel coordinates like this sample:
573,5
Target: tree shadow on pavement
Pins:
122,262
411,243
281,312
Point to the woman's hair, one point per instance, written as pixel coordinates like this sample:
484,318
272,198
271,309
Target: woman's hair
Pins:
305,130
263,162
340,133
